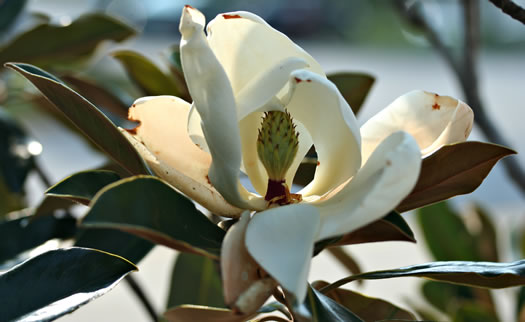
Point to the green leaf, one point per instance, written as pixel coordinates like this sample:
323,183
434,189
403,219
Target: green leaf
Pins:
113,102
20,235
477,274
204,313
520,304
486,238
66,278
9,11
93,123
320,307
82,186
439,221
195,280
354,87
116,242
147,207
453,170
146,75
471,312
48,44
367,308
50,204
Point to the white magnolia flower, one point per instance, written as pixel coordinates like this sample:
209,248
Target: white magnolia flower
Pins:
243,68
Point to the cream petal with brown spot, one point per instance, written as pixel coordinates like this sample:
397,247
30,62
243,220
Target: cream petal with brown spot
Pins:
433,120
162,140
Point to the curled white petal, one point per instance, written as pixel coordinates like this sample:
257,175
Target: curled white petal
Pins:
433,120
387,178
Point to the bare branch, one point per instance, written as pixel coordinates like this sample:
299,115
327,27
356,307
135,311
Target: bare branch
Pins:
510,8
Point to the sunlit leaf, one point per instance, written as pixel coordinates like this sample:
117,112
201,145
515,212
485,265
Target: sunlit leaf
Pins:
204,313
20,235
367,308
48,44
453,170
82,186
58,282
147,207
478,274
86,117
146,75
319,307
354,87
195,280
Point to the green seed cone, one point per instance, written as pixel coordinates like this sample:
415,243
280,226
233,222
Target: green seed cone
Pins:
277,143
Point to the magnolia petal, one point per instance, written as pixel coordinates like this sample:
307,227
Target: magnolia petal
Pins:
387,178
247,47
281,241
195,129
433,120
317,104
213,98
200,191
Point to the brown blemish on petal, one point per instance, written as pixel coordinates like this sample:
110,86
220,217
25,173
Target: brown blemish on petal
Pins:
318,163
231,16
308,80
132,131
188,6
298,80
436,106
388,162
208,179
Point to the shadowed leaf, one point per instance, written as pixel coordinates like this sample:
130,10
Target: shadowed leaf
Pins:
93,123
48,44
82,186
9,11
367,308
20,235
58,282
354,87
147,207
146,75
195,280
453,170
319,307
204,313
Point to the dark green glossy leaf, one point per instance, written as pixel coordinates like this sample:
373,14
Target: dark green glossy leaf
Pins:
86,117
146,75
306,171
116,242
367,308
49,205
478,274
9,11
318,308
354,87
438,221
149,208
66,278
48,44
453,170
82,186
23,234
195,280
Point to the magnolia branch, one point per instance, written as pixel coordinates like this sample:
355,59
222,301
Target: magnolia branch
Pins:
464,67
511,9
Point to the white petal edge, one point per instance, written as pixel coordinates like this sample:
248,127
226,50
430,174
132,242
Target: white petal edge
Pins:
433,120
281,240
213,97
387,178
319,106
247,46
